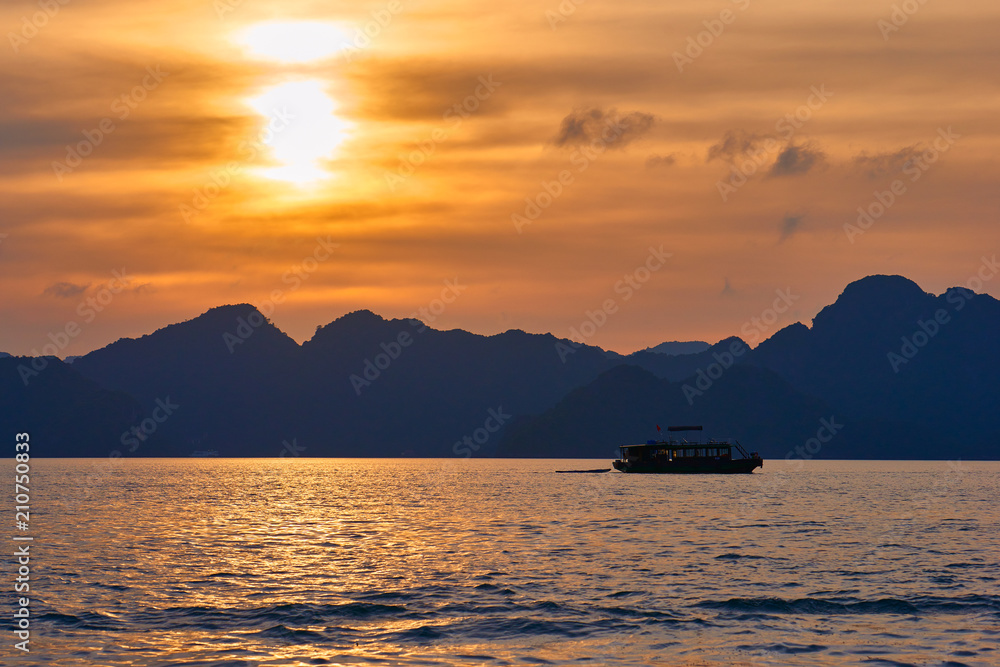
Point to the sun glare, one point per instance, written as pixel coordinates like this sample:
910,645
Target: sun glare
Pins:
302,130
293,41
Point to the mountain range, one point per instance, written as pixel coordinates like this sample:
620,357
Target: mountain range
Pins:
887,371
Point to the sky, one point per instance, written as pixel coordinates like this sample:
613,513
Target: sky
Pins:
670,170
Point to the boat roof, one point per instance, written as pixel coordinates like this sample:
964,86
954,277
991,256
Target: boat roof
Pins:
683,444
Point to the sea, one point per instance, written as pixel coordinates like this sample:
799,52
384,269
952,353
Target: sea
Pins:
304,561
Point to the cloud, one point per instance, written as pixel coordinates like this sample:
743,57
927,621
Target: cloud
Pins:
727,288
584,126
735,144
878,165
64,290
654,161
791,224
793,160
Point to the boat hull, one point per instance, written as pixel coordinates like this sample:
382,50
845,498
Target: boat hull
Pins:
730,467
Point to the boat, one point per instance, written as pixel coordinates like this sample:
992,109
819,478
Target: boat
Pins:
205,453
686,457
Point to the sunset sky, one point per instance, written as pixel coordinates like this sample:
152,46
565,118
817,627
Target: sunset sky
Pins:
203,149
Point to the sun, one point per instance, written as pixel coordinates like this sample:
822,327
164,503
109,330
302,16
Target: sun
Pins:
293,41
304,129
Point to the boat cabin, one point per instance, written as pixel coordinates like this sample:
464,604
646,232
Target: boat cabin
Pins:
672,451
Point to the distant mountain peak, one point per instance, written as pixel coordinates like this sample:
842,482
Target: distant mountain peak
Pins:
870,299
357,320
676,348
228,308
357,325
883,286
226,313
363,315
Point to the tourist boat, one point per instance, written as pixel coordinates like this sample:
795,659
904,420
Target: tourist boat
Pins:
205,453
685,457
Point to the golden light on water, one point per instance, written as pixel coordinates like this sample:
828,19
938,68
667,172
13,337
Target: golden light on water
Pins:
304,130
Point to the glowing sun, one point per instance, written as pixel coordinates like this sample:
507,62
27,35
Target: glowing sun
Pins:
304,130
292,41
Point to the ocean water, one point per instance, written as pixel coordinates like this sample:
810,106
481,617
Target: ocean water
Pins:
505,562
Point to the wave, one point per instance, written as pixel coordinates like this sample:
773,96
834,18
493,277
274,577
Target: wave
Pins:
288,614
289,634
90,620
785,648
912,606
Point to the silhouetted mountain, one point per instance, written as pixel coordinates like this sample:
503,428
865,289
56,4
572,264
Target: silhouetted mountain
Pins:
363,386
66,414
886,351
626,404
392,386
909,374
675,348
234,382
679,367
